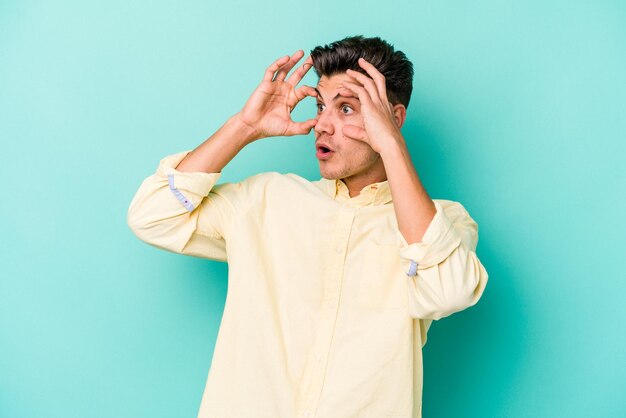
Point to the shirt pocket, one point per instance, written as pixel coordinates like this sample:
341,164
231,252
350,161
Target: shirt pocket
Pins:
382,284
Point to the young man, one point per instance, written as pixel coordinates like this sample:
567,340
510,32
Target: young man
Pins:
332,284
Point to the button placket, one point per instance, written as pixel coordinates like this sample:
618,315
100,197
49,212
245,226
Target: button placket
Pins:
329,315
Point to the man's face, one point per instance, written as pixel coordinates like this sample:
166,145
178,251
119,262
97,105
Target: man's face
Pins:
349,159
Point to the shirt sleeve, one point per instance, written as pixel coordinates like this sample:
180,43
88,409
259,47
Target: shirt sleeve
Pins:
185,212
444,272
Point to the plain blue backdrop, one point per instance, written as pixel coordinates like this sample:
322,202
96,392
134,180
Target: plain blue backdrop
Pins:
518,112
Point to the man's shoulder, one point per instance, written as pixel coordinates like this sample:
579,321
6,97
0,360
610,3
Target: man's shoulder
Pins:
276,181
455,211
449,205
268,177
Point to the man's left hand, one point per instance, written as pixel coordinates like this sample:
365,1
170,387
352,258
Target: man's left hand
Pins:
381,129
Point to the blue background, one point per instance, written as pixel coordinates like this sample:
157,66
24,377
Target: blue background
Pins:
518,112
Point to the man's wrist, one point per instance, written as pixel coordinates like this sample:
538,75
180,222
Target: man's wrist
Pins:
393,149
246,132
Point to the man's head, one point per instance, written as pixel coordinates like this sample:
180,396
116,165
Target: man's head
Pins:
352,160
340,56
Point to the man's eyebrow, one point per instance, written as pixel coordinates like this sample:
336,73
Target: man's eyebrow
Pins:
319,95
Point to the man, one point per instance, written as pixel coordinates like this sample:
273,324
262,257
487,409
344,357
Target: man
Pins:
334,283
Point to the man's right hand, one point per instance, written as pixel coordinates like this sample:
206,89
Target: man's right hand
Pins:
266,113
268,110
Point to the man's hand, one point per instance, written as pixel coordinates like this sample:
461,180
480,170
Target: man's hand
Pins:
381,119
268,110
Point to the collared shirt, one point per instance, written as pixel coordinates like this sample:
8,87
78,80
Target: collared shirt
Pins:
328,306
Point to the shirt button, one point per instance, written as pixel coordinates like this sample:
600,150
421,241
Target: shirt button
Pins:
339,250
307,413
319,357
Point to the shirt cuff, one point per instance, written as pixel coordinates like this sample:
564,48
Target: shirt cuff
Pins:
188,187
438,242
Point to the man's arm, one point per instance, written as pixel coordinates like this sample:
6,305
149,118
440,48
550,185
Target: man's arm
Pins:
414,209
438,247
382,122
266,113
180,208
219,149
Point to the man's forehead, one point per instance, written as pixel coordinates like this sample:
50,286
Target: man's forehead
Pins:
331,87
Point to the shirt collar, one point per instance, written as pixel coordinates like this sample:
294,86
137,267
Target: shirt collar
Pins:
372,194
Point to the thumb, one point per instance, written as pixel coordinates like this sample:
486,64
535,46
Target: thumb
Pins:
355,132
300,128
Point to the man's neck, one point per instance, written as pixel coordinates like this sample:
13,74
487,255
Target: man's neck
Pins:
356,185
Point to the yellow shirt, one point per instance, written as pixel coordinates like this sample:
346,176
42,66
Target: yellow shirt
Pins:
328,306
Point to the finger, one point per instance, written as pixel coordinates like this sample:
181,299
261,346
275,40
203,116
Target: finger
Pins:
355,132
359,90
269,72
300,128
344,92
377,76
284,70
367,82
297,75
302,92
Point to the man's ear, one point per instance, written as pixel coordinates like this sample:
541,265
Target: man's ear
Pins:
399,113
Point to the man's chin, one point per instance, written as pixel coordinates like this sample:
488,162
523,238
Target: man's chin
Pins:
329,176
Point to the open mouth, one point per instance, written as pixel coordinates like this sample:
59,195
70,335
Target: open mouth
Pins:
323,152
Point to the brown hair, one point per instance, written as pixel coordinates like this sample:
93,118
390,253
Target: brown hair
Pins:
342,55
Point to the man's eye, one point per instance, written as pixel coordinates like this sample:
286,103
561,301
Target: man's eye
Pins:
320,107
346,109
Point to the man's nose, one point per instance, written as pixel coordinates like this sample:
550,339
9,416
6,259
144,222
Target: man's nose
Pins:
324,124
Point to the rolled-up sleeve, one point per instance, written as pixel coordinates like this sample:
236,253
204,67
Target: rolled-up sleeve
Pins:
445,275
183,212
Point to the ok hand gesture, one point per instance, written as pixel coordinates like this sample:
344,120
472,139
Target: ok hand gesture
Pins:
268,110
